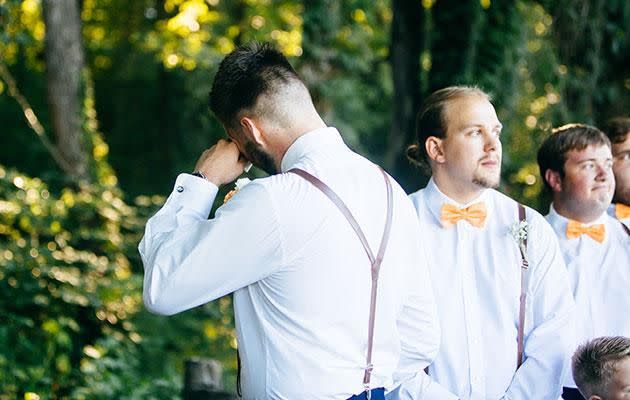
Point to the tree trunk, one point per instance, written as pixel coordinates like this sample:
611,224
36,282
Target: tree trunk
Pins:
64,64
406,46
454,43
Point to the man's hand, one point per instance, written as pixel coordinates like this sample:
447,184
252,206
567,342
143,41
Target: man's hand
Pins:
221,163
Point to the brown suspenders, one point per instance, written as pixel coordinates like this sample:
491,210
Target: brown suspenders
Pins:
376,264
523,297
374,261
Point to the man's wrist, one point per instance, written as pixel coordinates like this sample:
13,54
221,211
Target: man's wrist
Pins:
212,179
201,175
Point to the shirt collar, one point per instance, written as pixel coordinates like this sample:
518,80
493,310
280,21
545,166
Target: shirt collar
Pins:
315,140
435,199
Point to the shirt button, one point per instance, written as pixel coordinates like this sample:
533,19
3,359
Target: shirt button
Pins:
180,189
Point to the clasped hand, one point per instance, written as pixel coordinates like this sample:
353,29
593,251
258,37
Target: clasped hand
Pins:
221,163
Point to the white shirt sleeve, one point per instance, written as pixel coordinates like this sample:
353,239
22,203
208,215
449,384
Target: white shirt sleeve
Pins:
419,330
549,325
190,260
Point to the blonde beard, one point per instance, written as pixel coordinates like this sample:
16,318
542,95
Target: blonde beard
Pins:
488,182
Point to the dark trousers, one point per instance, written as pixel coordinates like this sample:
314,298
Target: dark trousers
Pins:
571,394
377,394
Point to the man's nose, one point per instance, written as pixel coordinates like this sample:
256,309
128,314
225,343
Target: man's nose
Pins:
603,172
492,141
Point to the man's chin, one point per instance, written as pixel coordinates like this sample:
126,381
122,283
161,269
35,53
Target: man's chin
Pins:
487,182
604,197
598,205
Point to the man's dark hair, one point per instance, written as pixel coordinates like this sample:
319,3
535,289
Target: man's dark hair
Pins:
431,119
593,364
553,152
617,129
244,75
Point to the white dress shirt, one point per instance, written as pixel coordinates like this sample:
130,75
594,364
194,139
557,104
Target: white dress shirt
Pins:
600,279
476,275
300,276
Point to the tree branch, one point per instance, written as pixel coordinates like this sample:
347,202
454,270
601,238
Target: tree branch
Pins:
32,119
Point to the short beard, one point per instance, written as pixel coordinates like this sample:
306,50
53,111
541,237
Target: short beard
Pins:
488,182
260,158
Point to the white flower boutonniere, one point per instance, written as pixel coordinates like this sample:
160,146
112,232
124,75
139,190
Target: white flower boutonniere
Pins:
240,184
519,231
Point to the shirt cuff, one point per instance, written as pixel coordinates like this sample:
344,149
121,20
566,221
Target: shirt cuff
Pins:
194,193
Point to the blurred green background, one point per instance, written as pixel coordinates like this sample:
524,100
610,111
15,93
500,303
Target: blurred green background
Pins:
74,200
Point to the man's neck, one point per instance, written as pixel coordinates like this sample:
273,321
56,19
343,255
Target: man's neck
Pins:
582,216
459,193
294,133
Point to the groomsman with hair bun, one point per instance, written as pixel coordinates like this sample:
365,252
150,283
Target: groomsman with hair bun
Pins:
500,284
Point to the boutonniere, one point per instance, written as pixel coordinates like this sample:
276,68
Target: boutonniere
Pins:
519,231
240,184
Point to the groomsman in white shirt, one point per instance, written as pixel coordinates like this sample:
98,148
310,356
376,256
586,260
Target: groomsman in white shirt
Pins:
483,261
618,131
311,321
576,163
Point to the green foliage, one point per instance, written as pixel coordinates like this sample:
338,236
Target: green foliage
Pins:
72,318
346,68
592,45
66,277
533,110
21,31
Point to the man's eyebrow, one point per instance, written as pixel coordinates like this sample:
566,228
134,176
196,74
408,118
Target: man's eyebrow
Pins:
593,159
476,125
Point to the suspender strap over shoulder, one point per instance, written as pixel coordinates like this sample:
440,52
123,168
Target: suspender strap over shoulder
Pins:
374,261
523,297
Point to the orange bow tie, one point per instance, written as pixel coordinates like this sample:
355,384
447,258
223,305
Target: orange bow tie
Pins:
596,232
475,215
622,211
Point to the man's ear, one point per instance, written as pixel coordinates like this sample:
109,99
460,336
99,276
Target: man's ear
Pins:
433,146
252,130
595,397
554,180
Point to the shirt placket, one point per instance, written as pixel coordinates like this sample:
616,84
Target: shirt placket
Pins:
586,253
472,315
